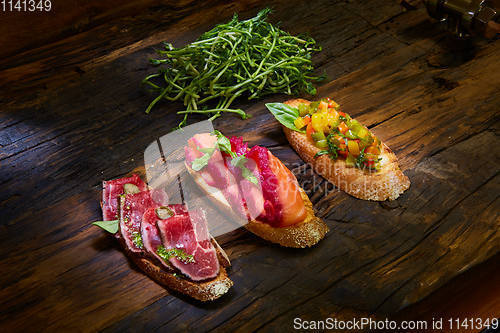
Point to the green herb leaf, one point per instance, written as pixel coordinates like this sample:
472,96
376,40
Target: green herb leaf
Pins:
180,254
137,240
202,161
322,152
332,147
109,226
239,162
224,144
285,114
207,150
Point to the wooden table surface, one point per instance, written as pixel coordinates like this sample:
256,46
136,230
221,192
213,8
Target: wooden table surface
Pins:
71,115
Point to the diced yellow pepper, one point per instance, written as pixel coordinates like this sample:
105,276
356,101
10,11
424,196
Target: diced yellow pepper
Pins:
303,109
299,122
353,147
362,132
318,122
322,144
332,120
350,160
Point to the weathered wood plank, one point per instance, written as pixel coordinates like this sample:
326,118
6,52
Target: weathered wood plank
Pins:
66,19
433,100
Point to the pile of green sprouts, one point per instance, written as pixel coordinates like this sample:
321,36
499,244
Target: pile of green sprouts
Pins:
250,58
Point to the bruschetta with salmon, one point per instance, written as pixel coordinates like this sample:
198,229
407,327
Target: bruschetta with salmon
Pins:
341,149
256,187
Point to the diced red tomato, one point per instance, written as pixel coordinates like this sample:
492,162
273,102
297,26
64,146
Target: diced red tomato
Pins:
342,113
369,163
342,150
332,104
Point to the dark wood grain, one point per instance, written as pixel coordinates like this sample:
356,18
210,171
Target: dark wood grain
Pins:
72,115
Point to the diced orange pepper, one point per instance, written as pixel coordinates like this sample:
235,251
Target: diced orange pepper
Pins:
307,119
372,150
309,131
343,127
353,147
342,113
323,106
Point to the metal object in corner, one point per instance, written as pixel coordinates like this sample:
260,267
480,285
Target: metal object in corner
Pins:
467,17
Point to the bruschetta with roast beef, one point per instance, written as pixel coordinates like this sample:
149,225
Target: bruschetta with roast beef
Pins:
341,149
169,243
255,187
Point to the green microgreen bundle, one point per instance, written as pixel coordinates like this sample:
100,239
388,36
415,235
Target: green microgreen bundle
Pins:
249,58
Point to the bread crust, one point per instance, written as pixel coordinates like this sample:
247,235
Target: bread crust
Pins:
303,234
203,291
300,235
387,183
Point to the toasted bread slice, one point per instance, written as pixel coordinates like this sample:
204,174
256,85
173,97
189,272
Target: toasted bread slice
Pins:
201,290
303,234
387,183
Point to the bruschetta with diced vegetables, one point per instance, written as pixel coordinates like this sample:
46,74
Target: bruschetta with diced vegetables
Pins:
341,149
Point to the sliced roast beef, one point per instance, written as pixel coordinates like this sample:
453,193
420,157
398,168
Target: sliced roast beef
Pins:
112,189
187,233
132,208
151,238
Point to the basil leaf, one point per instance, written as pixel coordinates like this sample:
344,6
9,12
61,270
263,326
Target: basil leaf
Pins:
207,150
239,162
109,226
223,143
285,114
248,175
201,161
